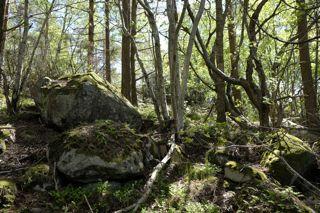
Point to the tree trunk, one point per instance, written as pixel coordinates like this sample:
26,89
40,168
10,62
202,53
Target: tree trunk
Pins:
187,59
107,42
125,52
220,84
4,9
21,56
91,36
234,54
61,38
310,99
3,20
174,64
160,88
134,98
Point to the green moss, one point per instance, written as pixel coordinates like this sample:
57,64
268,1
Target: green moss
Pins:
27,103
242,173
8,190
107,139
69,83
37,174
5,133
199,207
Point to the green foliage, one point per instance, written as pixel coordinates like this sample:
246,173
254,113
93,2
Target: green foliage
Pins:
128,193
202,171
270,197
73,198
192,207
147,111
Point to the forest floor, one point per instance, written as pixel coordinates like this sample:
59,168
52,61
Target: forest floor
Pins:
188,184
29,148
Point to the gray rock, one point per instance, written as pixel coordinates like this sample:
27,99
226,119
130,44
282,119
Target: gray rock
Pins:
71,100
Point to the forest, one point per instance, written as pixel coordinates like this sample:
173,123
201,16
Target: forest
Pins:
195,106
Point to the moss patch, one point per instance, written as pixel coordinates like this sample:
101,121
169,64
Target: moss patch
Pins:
36,175
8,190
107,139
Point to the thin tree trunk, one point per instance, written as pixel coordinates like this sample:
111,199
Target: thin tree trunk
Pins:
316,72
160,88
21,56
134,98
62,33
125,52
107,42
4,9
3,24
185,71
310,98
91,36
234,54
174,64
220,84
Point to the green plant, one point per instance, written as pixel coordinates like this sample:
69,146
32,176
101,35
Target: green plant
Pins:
202,171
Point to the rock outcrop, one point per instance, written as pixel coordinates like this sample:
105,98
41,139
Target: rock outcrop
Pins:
75,99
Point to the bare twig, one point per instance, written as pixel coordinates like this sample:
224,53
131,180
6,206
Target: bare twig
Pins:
85,197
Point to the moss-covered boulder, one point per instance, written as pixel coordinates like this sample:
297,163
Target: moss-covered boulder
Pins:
296,152
8,191
242,173
71,100
104,150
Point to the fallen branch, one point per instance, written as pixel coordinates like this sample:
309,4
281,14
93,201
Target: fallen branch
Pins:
147,188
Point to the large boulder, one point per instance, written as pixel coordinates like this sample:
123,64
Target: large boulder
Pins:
104,150
80,98
295,152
